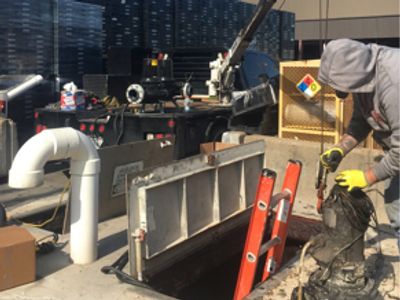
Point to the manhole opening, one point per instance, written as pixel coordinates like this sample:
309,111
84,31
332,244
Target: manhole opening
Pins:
210,273
189,280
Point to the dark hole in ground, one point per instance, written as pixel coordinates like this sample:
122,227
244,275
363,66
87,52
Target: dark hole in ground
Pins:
210,273
219,283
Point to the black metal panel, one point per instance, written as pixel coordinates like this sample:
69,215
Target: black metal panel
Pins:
125,60
194,63
109,85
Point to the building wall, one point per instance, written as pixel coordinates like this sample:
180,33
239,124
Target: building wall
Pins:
355,28
309,9
359,19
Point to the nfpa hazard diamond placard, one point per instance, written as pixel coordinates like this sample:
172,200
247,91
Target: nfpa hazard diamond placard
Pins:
308,86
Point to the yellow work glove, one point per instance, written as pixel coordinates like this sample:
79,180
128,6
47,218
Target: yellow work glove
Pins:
331,158
352,179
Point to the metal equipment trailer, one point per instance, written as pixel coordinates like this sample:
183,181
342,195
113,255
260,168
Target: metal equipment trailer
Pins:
202,122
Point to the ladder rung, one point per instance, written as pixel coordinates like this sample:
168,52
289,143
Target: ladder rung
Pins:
282,218
255,234
263,204
278,197
268,245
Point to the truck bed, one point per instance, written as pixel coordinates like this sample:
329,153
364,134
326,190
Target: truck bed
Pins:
203,123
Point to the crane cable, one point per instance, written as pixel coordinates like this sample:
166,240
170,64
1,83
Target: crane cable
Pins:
321,44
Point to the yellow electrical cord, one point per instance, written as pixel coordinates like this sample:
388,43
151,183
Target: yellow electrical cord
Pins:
51,219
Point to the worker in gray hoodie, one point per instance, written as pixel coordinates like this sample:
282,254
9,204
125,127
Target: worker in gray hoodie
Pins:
372,74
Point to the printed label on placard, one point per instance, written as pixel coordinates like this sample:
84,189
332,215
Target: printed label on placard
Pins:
118,183
283,212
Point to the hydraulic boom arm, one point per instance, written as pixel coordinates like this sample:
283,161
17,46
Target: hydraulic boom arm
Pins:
224,68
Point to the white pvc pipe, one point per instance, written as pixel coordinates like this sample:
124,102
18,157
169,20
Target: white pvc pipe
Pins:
27,171
23,87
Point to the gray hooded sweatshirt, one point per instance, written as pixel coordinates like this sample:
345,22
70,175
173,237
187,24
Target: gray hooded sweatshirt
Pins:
372,74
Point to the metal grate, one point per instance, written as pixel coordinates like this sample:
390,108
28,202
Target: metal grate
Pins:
301,118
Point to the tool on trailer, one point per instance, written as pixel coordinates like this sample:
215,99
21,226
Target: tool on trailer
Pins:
224,67
275,246
158,84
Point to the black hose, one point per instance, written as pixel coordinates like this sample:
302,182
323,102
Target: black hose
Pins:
3,215
116,269
47,247
121,124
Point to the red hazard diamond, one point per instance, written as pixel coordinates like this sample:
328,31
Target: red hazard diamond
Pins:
308,80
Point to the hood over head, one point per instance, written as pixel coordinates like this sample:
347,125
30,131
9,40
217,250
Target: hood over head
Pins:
349,66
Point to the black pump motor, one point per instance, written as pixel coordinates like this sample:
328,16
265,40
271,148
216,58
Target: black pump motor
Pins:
157,84
339,250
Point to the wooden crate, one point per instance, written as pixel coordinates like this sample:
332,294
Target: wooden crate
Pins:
300,118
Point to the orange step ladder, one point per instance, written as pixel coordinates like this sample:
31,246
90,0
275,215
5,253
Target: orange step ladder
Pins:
264,202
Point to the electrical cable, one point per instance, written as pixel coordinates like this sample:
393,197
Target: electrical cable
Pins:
46,247
121,124
51,219
324,277
326,21
359,210
322,41
3,215
116,269
303,253
323,86
120,129
320,27
115,127
280,6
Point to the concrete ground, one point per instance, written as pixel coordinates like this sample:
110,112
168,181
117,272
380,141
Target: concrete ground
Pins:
59,279
382,265
384,269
